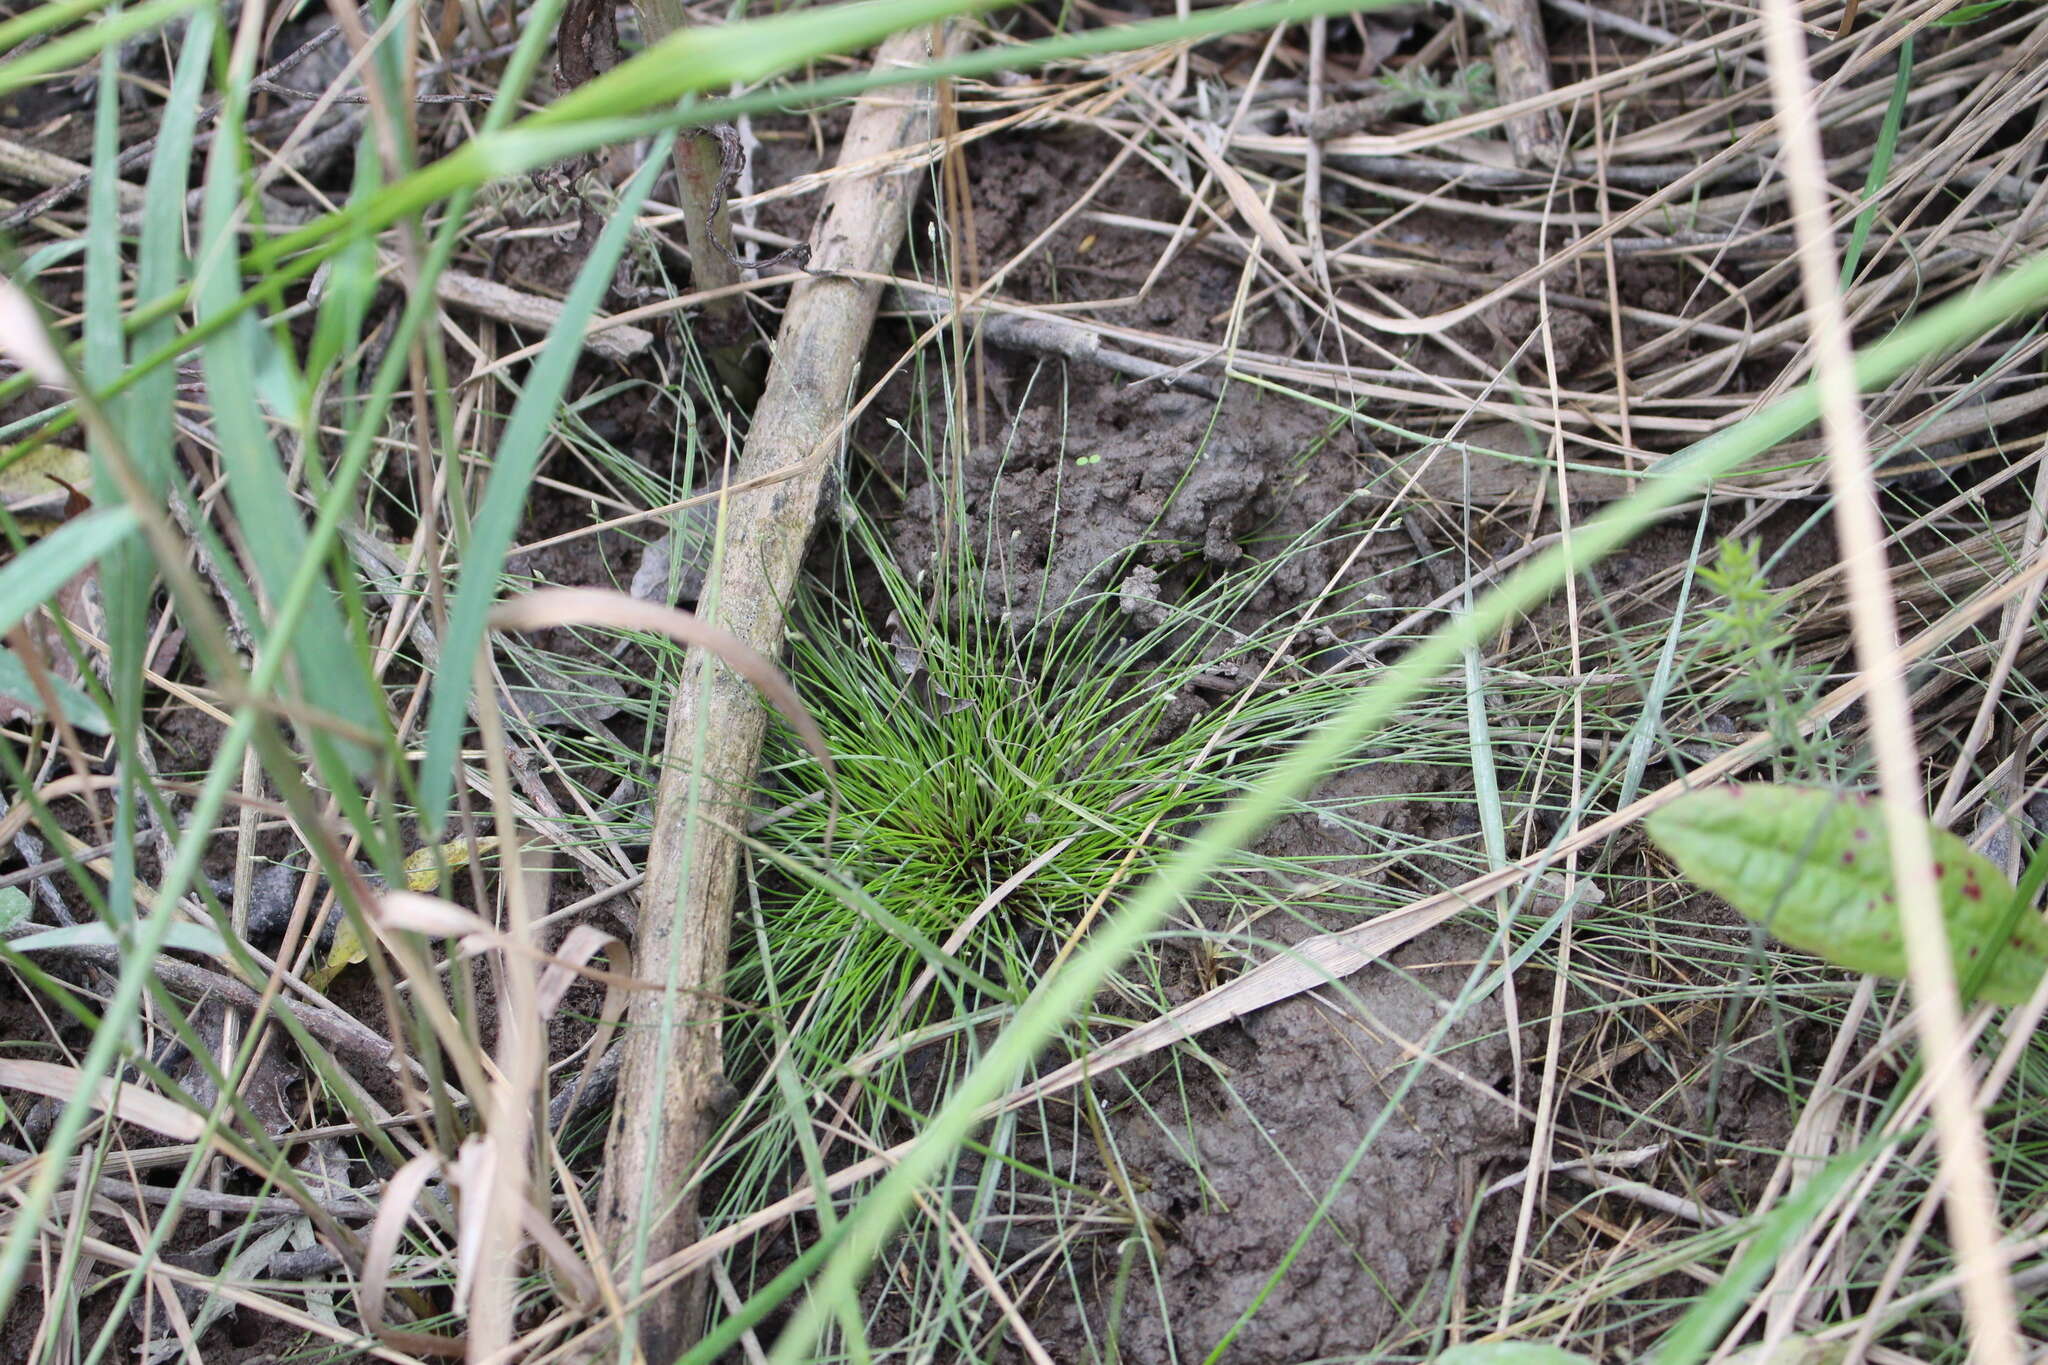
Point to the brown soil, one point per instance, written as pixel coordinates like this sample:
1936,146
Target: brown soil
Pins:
1319,1113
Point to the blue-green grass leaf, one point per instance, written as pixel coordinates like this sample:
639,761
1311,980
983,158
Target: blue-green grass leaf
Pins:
78,708
504,500
186,937
34,576
332,672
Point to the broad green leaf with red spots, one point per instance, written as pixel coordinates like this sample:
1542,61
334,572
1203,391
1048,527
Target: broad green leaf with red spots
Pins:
1813,866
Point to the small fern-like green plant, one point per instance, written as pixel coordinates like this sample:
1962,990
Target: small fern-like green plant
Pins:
1747,636
1471,87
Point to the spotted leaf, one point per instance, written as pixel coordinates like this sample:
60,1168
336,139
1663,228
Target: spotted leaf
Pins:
1813,866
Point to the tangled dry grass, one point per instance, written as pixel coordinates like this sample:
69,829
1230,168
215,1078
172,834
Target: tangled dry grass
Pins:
1507,294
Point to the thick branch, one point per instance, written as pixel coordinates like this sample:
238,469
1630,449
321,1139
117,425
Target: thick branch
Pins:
716,721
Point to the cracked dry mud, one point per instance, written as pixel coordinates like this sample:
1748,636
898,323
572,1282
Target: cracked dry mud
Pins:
1232,1170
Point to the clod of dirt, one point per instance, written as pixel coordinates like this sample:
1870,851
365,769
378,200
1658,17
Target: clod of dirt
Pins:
1083,493
1138,598
273,891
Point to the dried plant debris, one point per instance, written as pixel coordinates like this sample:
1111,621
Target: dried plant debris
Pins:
1210,380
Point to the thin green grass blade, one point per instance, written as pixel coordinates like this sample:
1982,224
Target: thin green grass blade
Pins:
1700,1329
352,283
502,152
605,117
1058,999
2033,879
1970,14
142,418
1644,732
746,53
1486,798
504,501
945,966
1880,165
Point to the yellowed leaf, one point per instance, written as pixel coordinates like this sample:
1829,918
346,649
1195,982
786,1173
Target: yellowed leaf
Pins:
34,527
32,483
423,868
422,872
345,952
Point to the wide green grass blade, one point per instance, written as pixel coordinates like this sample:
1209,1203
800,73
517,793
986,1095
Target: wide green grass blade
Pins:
331,671
307,587
105,351
144,414
60,54
34,576
126,571
78,708
504,502
46,18
352,283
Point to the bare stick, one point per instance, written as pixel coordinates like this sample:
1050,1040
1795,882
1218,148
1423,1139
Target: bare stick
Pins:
1521,71
613,341
673,1065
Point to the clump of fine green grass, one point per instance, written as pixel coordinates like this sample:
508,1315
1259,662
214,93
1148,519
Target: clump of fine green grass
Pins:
999,788
969,757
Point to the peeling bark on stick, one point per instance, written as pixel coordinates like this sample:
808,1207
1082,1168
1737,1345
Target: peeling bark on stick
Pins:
698,170
722,323
666,1089
1521,71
